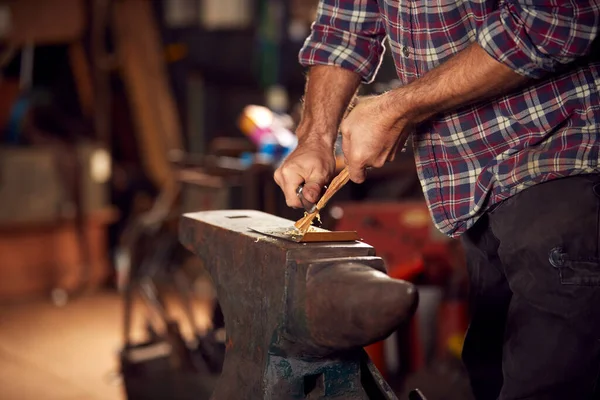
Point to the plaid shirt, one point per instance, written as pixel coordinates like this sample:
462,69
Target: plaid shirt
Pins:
479,155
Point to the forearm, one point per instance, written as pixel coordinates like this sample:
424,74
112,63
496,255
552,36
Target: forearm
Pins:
469,77
329,91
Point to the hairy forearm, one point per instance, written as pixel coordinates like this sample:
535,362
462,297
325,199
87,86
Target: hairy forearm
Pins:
469,77
329,91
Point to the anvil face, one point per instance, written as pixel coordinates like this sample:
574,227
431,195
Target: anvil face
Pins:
288,306
314,235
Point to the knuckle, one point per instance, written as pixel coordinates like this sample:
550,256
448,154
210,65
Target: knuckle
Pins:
345,128
287,172
292,203
353,162
357,177
357,152
378,163
346,148
357,159
317,176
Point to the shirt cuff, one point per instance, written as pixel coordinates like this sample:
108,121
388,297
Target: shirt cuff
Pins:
505,37
330,46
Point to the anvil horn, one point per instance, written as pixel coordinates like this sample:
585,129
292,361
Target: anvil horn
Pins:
353,305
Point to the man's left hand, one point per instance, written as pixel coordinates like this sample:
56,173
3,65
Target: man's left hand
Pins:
372,133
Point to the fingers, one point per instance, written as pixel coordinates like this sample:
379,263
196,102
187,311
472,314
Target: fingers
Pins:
357,170
392,154
288,181
357,174
312,190
353,158
370,139
289,177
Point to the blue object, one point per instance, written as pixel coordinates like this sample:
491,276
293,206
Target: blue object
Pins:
247,159
268,152
16,118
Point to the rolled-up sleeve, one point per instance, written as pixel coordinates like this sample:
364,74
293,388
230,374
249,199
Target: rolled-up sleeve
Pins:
347,34
535,37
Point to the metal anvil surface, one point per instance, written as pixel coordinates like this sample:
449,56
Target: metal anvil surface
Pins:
297,314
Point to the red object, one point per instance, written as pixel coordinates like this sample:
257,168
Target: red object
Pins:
452,324
403,234
398,231
376,351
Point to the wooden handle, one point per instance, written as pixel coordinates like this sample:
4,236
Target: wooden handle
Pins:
336,184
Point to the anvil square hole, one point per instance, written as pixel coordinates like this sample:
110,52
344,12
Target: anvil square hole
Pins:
238,216
314,385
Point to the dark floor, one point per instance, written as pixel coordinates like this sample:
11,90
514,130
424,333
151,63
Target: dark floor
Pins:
71,352
64,353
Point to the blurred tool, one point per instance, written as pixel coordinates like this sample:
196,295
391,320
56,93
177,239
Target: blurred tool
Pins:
270,132
166,365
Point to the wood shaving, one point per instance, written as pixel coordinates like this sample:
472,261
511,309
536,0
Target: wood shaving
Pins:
294,232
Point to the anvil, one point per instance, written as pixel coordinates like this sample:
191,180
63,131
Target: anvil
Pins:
297,315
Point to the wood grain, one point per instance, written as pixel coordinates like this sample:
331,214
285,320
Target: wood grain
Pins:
336,184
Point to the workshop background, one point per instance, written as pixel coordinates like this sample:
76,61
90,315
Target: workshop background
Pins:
117,116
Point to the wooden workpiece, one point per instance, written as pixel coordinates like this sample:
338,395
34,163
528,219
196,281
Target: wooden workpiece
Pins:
313,235
304,223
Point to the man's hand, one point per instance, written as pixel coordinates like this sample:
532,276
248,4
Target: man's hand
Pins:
311,163
372,133
328,92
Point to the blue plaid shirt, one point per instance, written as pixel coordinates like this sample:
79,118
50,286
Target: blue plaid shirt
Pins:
479,155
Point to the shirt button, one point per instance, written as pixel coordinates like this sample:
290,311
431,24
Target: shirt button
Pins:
405,51
556,257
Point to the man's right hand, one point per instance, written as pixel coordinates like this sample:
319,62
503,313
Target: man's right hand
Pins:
329,90
311,163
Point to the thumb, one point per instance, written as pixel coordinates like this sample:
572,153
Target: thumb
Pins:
357,174
312,190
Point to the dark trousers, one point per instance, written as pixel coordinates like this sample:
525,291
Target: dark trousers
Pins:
534,267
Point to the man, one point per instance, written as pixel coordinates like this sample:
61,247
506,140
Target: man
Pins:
503,104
